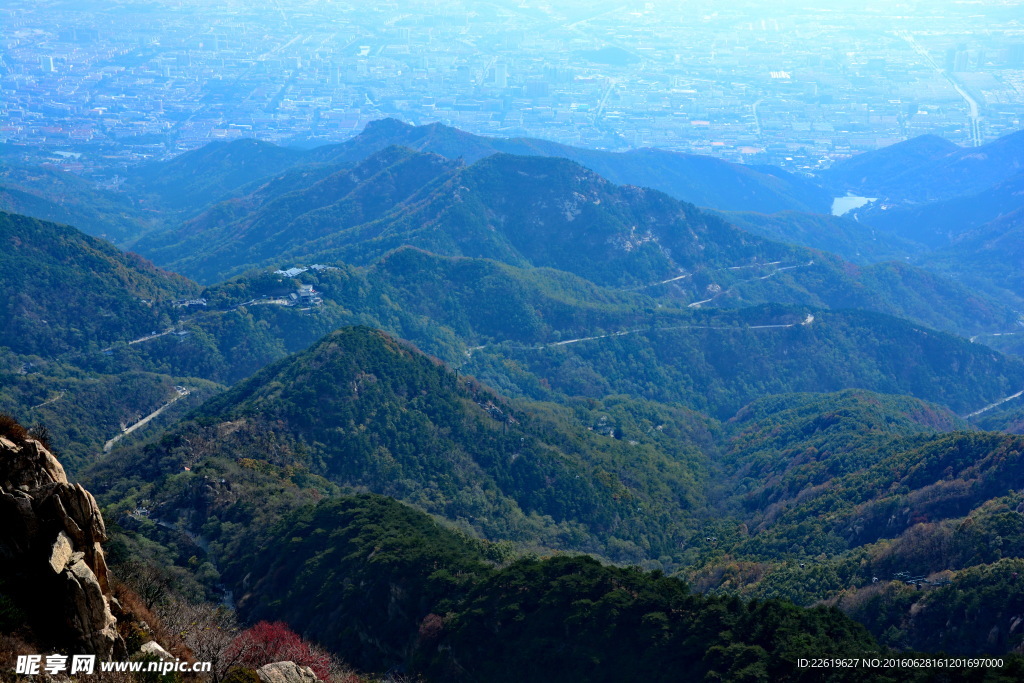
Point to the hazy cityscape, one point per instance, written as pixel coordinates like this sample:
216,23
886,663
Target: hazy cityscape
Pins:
793,85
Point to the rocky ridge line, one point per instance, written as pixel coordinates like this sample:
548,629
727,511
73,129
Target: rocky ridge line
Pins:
50,550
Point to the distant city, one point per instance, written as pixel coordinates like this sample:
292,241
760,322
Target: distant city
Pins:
97,82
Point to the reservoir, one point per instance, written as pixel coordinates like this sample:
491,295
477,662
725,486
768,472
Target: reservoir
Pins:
843,205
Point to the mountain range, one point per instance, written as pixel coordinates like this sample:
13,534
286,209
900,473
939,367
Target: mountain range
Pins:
395,391
692,178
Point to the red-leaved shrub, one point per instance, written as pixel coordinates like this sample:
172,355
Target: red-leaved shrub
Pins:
268,642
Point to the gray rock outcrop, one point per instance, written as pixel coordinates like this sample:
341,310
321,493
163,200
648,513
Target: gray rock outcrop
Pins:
50,552
286,672
153,649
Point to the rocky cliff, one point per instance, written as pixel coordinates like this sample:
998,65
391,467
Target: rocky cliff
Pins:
50,552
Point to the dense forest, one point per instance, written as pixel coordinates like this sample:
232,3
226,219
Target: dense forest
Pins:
453,408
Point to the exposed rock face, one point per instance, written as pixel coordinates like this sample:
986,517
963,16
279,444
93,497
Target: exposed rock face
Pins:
50,535
153,649
286,672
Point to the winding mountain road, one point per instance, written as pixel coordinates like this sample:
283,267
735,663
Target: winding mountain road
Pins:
621,333
49,401
182,392
732,287
990,406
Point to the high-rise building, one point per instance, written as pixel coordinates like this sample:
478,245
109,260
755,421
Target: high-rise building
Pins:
536,88
960,61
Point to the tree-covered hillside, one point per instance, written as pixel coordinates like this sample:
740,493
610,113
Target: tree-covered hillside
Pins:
364,410
382,584
723,361
605,369
534,212
67,291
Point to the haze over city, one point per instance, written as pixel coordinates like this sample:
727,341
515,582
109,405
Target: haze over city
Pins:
794,84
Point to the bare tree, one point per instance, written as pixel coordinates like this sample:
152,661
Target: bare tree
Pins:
152,583
207,629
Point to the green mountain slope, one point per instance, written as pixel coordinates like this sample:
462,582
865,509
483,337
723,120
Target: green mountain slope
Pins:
940,223
986,258
477,211
875,172
538,212
728,359
383,584
364,410
206,175
845,237
81,411
67,291
220,170
511,325
874,503
62,197
272,221
519,316
783,445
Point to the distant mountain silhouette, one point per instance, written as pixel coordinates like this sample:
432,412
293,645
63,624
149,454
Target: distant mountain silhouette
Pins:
218,170
874,173
928,168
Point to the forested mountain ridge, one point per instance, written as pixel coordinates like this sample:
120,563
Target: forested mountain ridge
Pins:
874,172
941,223
867,500
211,173
841,235
935,513
70,291
822,463
696,179
70,298
364,411
540,212
476,211
618,378
160,196
724,362
281,214
507,324
242,174
52,195
222,168
563,618
951,210
987,258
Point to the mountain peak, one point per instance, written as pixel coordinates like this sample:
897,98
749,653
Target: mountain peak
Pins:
387,127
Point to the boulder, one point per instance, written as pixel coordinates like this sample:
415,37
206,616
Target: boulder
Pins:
61,553
153,649
286,672
51,533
